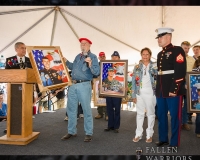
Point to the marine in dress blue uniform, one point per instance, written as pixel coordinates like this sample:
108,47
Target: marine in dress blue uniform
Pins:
171,63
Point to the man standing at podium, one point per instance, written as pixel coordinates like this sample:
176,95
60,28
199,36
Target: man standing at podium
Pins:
19,61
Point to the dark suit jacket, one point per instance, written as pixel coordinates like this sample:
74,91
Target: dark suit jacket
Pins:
11,65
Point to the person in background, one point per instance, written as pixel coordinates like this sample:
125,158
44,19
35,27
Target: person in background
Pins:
190,63
196,51
60,95
143,87
3,110
101,109
43,102
170,87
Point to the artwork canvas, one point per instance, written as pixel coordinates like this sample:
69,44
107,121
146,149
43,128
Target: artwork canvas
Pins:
113,78
193,92
49,67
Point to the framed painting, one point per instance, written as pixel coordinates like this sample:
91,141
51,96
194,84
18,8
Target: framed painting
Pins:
49,67
113,78
98,101
193,92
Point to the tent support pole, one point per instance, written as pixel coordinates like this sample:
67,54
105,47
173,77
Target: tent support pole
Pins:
25,10
27,30
99,30
54,25
69,25
163,16
195,43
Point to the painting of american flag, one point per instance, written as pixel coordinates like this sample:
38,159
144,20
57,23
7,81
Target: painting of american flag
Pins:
105,70
49,68
114,83
38,55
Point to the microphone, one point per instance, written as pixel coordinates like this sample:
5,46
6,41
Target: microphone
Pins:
138,153
86,55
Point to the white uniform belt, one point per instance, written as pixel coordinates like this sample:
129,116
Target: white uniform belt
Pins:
165,72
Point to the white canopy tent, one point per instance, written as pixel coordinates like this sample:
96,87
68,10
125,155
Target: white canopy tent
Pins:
126,29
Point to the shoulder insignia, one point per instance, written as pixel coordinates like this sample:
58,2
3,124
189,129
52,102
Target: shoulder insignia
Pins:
179,58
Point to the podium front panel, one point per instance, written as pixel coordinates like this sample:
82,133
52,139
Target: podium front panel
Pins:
16,109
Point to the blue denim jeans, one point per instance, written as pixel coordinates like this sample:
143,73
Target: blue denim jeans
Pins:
80,92
184,111
80,111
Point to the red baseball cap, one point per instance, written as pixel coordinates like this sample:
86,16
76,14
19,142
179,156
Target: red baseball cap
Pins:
85,40
101,54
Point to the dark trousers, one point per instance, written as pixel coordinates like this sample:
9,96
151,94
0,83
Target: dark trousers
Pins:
1,119
197,129
174,106
101,110
190,116
113,111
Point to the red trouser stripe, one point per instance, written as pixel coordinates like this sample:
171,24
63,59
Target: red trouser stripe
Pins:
179,118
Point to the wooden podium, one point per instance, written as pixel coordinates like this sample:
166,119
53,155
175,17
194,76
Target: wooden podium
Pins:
20,106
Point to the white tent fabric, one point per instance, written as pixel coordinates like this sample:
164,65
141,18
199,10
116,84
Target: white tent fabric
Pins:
133,25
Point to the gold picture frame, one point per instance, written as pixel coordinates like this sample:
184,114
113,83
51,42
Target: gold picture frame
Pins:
98,101
49,67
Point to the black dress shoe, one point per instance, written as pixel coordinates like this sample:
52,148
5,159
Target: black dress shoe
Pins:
68,136
159,144
108,129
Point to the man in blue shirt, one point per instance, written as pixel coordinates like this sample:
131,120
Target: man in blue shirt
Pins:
84,67
3,110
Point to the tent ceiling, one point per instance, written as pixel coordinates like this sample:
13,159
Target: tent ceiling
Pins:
133,25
